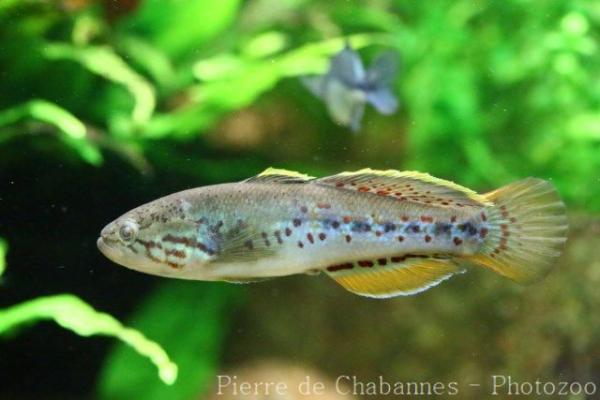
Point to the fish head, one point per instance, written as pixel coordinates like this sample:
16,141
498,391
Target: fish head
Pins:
158,238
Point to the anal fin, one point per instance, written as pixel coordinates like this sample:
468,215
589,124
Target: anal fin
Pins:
409,277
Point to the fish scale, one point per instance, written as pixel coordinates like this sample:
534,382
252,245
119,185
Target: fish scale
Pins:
377,233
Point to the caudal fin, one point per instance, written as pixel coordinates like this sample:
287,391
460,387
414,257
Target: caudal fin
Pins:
527,232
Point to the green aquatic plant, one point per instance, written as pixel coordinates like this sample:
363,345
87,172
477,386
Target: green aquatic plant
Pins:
189,319
70,129
144,76
70,312
3,250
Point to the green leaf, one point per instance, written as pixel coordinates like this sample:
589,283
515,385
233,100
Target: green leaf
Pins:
265,44
148,58
189,319
47,112
72,129
3,251
181,27
104,62
233,82
72,313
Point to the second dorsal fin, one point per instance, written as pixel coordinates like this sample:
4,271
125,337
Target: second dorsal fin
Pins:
276,175
409,186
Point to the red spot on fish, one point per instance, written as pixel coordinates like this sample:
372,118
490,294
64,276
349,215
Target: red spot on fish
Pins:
365,263
363,189
427,238
310,238
378,233
347,219
404,218
339,184
397,259
398,193
457,241
173,265
348,238
401,238
483,217
340,267
445,203
426,218
323,205
453,218
175,253
382,261
383,193
483,232
322,236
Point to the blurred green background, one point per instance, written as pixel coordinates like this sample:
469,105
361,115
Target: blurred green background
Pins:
108,104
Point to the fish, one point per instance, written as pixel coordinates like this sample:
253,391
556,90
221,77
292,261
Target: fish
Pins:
347,86
377,233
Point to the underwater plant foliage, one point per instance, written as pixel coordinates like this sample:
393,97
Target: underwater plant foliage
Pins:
119,102
510,97
194,343
3,250
74,314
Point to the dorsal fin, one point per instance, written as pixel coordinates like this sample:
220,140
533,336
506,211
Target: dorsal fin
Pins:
411,186
411,276
275,175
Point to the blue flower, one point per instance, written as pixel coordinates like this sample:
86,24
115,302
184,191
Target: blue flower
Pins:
347,86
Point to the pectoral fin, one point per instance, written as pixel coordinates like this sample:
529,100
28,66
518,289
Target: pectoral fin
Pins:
241,244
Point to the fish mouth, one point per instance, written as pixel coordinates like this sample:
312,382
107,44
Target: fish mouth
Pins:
111,252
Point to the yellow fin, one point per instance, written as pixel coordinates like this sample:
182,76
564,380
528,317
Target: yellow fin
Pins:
409,277
276,175
411,186
527,230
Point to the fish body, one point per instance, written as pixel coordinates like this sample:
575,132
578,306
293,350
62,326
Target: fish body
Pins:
348,86
378,233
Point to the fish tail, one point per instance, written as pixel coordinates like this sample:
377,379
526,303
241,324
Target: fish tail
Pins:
527,230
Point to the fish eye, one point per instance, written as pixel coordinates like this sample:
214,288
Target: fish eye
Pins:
128,232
